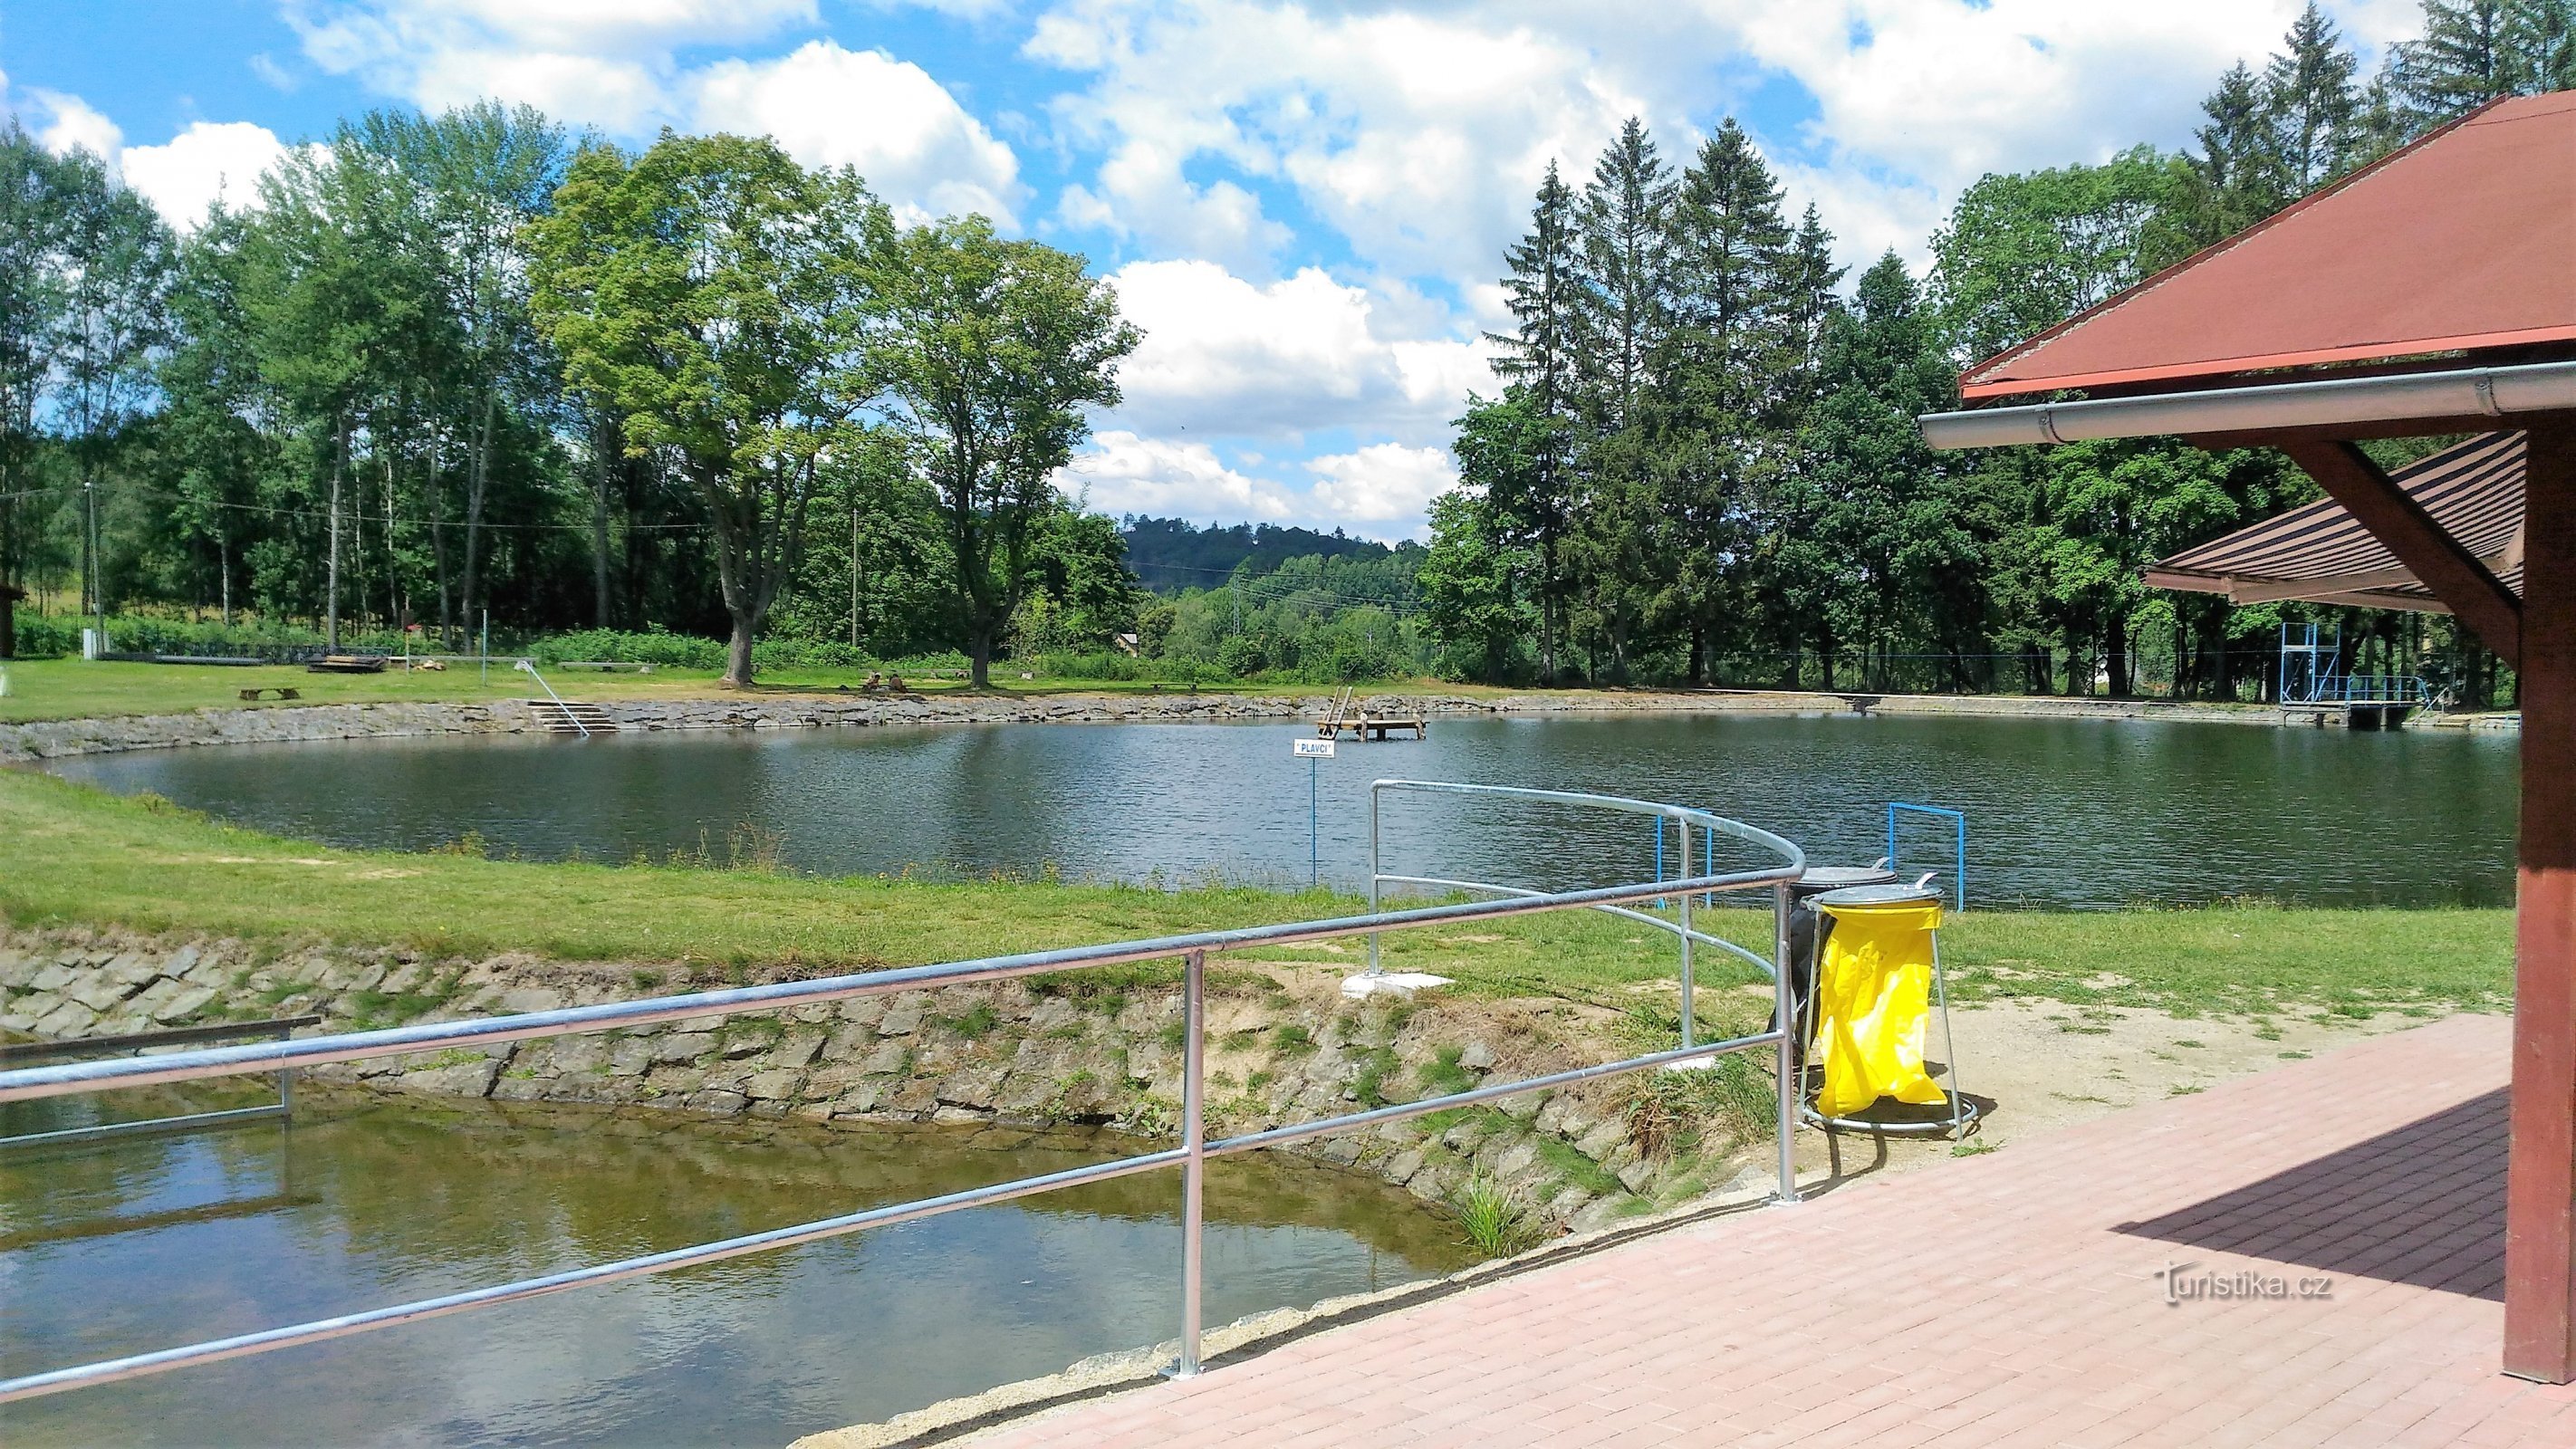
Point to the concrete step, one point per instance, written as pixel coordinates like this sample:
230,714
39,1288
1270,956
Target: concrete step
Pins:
571,717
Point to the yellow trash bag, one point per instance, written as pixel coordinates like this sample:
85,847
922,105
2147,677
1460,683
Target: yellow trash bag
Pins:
1873,994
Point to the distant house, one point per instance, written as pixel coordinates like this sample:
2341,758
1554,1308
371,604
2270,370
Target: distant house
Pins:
1128,644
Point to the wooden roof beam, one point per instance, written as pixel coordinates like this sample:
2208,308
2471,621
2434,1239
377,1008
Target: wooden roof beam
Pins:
2477,597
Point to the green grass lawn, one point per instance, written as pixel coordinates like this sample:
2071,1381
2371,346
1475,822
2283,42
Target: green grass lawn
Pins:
82,689
71,854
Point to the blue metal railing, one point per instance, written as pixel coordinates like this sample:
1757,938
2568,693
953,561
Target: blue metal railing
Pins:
1958,849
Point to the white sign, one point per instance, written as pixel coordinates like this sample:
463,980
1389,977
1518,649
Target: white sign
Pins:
1314,749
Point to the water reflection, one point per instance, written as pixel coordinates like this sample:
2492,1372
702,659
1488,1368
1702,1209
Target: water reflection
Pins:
2083,813
153,1241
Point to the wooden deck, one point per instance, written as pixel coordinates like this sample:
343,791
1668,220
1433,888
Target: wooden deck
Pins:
1346,715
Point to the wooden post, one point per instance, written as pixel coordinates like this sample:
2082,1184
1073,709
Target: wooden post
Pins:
2540,1191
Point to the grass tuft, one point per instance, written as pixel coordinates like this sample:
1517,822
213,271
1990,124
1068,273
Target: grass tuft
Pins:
1495,1220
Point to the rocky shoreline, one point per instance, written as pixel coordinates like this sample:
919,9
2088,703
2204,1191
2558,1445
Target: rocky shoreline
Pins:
56,739
1093,1050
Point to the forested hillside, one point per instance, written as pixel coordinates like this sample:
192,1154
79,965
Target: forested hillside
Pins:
1170,555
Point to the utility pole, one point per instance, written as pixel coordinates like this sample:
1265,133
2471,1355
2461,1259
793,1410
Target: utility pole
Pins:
97,585
854,576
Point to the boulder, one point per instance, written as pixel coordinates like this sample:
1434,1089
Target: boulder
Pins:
777,1085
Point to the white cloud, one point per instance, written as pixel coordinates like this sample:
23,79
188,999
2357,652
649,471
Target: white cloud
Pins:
1222,355
181,178
1416,134
905,133
1945,90
592,62
1123,473
208,160
343,35
1416,137
1383,483
73,124
620,94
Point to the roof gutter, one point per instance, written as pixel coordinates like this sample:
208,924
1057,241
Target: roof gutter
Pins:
2494,392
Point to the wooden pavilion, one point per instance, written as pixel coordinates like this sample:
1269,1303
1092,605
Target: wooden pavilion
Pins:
2433,293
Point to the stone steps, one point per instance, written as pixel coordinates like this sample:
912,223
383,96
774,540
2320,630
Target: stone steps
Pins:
570,717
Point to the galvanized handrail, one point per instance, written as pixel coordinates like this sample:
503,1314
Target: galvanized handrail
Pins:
529,668
1190,1156
1643,918
142,1040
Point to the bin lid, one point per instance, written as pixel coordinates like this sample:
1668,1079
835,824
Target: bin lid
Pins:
1880,895
1836,877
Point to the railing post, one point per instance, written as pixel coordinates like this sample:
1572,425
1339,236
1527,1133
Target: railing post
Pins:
1787,1025
1194,1169
1374,792
1689,1013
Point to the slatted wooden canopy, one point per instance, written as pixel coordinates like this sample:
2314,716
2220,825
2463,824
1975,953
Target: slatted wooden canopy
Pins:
2321,553
2404,301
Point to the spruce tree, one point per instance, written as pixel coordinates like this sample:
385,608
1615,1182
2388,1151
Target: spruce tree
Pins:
2540,45
1624,222
2310,102
2459,63
1541,356
1719,377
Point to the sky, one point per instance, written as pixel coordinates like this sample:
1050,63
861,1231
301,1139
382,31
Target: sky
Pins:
1303,206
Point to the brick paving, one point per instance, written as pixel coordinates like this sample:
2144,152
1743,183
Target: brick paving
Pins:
2006,1299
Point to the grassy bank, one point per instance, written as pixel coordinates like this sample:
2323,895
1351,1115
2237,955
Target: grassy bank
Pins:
70,854
80,689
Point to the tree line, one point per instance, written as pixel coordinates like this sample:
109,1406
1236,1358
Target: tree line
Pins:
1704,465
444,365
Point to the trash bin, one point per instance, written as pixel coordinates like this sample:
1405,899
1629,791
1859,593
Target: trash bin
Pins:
1808,928
1877,980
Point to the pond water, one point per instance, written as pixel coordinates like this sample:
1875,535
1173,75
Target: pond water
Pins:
151,1242
2077,813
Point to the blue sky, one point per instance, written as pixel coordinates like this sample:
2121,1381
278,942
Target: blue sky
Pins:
1303,205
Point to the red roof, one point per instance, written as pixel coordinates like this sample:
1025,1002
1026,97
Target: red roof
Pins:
2464,240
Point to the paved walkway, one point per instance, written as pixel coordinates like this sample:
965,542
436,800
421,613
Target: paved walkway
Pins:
2006,1299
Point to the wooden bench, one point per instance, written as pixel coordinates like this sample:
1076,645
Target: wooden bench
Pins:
280,691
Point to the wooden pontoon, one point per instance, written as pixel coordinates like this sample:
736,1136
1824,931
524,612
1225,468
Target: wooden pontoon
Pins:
1346,714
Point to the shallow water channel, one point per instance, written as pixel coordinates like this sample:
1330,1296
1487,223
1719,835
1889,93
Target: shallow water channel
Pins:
153,1241
2078,813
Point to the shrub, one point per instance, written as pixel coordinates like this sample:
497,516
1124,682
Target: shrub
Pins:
42,638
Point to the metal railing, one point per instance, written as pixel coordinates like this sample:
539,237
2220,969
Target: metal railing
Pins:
1190,1156
530,669
1958,840
15,1055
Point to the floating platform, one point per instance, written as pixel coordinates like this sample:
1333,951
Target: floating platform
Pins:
1364,724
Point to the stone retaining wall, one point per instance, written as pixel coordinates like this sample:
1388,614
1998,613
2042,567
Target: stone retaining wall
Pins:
1284,1047
54,739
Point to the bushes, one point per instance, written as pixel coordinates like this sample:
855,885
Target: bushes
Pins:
1111,664
40,638
689,651
669,651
